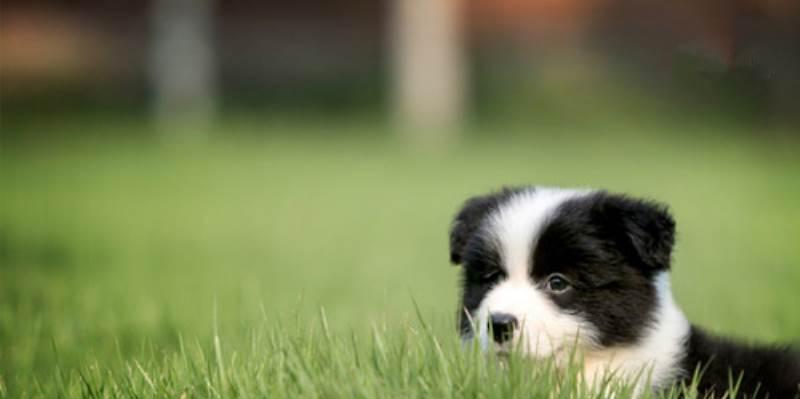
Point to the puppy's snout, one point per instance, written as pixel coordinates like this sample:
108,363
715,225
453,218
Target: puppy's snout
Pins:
503,325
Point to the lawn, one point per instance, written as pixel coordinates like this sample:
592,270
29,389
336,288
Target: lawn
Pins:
290,263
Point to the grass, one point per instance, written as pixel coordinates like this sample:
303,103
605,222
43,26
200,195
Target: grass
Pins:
308,360
130,269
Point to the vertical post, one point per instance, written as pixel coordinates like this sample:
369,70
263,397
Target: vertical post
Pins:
182,66
428,69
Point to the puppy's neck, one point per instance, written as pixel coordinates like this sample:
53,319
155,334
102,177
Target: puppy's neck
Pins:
655,360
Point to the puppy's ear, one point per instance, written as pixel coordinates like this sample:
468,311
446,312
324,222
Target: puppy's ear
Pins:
644,229
468,220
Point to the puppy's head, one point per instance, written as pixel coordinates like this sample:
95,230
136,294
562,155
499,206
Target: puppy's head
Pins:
547,269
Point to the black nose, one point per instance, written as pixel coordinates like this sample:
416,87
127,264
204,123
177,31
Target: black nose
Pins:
503,325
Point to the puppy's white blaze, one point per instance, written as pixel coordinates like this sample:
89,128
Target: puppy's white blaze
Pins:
516,225
656,358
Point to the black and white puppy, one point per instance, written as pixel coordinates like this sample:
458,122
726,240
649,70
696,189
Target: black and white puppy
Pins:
557,272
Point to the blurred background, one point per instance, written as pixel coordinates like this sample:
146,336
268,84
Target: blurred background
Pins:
168,163
452,61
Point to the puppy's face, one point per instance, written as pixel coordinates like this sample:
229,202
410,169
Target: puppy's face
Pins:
547,269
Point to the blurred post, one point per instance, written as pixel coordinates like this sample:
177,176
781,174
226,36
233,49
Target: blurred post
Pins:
182,66
428,67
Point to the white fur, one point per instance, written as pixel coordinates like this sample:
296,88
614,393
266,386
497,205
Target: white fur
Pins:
517,224
656,358
544,330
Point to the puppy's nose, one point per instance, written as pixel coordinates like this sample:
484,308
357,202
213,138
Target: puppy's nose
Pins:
503,325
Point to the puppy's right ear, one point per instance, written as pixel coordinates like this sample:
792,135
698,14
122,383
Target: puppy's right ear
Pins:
469,219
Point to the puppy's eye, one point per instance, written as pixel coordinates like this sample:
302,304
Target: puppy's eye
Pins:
491,274
557,284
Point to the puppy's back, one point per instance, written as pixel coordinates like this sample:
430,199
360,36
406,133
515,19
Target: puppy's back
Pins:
772,372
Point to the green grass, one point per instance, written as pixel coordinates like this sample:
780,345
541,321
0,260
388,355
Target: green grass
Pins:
134,269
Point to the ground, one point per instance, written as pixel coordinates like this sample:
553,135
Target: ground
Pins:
290,263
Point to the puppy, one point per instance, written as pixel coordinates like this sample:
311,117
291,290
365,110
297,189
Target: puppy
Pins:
557,272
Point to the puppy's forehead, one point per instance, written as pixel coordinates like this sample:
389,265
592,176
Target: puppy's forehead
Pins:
516,224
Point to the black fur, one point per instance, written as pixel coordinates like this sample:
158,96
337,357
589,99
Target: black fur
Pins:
479,257
609,247
766,372
470,218
481,271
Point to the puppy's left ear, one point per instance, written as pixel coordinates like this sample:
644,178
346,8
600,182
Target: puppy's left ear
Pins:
469,218
645,229
466,223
